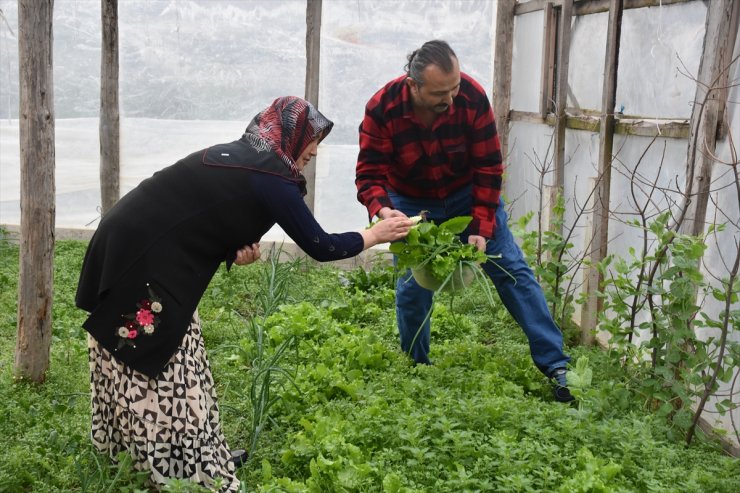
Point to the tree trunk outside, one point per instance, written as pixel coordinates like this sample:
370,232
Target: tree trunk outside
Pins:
35,283
110,143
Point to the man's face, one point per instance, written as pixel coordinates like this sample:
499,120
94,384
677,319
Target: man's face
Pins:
437,89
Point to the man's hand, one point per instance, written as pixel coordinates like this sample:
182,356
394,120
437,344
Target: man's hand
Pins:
248,254
478,241
387,213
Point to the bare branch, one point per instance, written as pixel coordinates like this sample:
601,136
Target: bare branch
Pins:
5,20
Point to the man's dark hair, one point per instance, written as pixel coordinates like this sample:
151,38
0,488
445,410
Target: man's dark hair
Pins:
435,52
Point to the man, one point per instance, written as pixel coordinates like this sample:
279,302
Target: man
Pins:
428,142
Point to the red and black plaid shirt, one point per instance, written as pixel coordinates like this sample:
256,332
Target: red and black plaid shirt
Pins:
399,153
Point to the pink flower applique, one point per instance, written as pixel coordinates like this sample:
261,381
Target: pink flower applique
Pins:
144,317
143,321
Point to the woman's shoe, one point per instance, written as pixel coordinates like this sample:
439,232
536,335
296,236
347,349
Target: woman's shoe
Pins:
239,457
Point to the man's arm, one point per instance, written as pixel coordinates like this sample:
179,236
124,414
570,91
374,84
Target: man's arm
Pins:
373,165
488,169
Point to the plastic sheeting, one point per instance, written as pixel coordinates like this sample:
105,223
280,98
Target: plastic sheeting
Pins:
194,72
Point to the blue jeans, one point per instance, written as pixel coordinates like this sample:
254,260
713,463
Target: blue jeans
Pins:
524,299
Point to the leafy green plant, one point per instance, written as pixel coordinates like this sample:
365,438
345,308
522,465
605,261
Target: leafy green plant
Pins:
266,365
579,381
550,252
438,249
441,262
379,276
267,377
672,365
480,419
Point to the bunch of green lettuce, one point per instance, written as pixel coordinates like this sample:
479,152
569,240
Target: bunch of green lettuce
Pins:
437,248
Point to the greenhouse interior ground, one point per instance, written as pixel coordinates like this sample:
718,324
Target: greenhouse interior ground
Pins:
193,73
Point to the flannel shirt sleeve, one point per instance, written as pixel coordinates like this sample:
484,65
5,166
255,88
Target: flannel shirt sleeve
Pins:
488,170
373,161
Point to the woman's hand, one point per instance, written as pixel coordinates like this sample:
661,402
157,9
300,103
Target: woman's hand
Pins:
247,254
390,229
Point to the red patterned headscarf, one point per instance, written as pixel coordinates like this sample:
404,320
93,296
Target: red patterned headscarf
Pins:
287,127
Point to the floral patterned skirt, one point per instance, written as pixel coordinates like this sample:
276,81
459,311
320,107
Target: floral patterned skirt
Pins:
169,425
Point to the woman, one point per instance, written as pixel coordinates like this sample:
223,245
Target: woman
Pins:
151,260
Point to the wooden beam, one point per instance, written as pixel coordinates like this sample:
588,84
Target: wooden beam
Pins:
599,249
549,45
708,104
599,6
502,71
643,127
590,278
36,126
109,126
724,89
585,7
561,92
313,65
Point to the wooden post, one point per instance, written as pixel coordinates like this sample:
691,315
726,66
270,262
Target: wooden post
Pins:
599,249
502,71
709,104
725,88
313,63
110,143
549,43
590,276
35,282
561,94
549,198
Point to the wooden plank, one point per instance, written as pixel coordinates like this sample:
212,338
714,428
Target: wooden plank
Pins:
599,6
522,8
590,276
502,70
584,7
722,129
561,93
600,214
527,117
313,65
651,128
713,75
642,127
547,73
109,125
36,126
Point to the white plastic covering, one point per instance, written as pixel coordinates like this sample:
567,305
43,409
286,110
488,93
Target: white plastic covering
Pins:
194,72
660,53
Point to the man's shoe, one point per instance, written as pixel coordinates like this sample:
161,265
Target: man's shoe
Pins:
560,385
239,457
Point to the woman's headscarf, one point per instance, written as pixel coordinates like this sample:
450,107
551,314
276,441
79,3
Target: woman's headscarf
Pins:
287,127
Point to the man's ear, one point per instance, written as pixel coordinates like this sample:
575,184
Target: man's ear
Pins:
411,83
